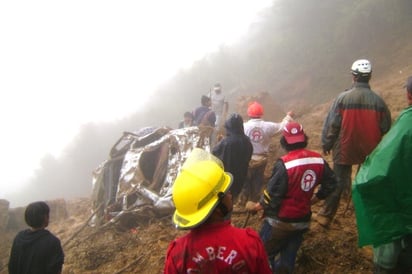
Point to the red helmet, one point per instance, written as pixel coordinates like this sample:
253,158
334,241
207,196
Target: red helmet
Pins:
255,110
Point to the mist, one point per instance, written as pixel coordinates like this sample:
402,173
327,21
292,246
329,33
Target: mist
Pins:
298,51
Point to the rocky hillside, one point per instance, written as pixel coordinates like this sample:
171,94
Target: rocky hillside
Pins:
141,249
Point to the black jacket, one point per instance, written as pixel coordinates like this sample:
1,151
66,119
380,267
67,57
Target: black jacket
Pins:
36,252
235,151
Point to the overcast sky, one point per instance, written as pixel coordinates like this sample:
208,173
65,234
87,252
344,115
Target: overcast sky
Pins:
66,63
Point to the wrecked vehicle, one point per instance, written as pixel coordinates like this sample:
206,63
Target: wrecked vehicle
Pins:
135,183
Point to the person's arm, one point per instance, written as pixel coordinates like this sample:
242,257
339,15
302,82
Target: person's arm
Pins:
212,118
217,150
55,258
328,184
261,258
386,121
275,191
331,128
170,267
225,108
277,187
13,259
278,127
289,116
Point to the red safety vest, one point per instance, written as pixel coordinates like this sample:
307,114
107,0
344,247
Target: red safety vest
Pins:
305,169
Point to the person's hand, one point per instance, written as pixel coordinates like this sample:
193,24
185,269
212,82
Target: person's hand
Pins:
250,206
291,114
314,200
253,207
326,152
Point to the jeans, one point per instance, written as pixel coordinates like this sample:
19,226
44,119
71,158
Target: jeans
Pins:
284,243
344,179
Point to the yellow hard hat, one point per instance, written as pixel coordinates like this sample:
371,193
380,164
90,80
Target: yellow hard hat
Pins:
195,190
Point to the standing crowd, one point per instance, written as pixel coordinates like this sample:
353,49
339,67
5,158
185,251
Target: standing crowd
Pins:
356,132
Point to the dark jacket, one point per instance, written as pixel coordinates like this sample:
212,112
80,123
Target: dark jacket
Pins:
235,151
203,115
36,252
355,124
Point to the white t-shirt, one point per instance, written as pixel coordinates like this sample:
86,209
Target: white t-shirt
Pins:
218,101
260,132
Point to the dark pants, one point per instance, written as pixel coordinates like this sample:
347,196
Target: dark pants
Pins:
394,257
253,187
344,178
284,243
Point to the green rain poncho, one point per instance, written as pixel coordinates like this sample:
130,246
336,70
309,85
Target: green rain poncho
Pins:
382,190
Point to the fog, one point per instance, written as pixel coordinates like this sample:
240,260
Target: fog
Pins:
72,73
128,71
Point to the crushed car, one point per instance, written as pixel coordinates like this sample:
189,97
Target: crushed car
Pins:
135,183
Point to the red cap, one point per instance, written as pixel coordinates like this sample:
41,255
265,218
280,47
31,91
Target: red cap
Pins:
293,133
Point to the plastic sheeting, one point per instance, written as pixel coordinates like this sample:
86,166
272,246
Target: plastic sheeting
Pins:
382,190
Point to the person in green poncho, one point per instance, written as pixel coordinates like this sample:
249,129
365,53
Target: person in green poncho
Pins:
382,195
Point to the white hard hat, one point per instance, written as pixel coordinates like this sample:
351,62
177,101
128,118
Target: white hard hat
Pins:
361,67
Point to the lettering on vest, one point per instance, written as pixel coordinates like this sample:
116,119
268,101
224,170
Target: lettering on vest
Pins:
198,258
220,253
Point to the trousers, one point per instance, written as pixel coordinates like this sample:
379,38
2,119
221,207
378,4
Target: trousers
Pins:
282,242
344,179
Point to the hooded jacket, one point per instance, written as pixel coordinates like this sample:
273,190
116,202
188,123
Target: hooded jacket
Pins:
36,252
235,151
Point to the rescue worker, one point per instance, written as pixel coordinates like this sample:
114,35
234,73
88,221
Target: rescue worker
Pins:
286,201
382,195
235,151
260,133
353,127
202,200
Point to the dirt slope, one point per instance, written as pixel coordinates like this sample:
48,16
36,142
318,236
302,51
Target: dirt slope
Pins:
142,249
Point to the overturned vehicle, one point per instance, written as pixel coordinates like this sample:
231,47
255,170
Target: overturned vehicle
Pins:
135,183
